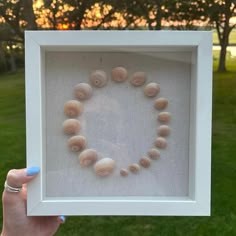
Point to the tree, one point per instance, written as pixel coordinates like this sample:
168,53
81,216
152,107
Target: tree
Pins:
73,14
141,13
220,13
15,17
28,15
10,12
18,15
53,13
186,14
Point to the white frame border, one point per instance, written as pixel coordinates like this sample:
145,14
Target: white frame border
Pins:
198,202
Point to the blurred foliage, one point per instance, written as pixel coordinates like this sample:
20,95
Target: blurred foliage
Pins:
16,16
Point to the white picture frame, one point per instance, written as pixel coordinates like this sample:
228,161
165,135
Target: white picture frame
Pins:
197,44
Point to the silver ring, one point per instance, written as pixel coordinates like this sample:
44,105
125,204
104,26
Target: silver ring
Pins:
12,189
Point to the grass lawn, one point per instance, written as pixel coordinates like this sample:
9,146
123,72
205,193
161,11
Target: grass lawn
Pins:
223,217
230,62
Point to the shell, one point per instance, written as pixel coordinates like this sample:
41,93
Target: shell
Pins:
160,103
134,168
88,157
76,143
145,162
124,172
104,167
73,108
119,74
83,91
164,117
71,126
154,154
138,79
151,89
98,78
161,143
163,130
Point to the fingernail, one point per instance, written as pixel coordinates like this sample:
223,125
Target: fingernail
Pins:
62,219
32,170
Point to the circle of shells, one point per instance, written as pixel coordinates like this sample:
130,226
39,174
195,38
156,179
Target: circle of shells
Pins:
77,143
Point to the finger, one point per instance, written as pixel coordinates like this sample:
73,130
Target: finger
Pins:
61,219
16,178
14,202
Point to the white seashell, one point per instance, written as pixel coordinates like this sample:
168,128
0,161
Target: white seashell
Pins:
124,172
163,130
134,168
104,167
98,78
145,162
73,108
88,157
119,74
151,89
161,143
160,103
154,154
138,79
164,117
76,143
71,126
83,91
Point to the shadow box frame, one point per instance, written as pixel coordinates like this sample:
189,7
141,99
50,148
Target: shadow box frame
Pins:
199,43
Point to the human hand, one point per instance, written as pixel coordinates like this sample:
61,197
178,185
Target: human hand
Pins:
15,220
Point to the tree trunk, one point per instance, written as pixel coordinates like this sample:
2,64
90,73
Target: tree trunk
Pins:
29,15
3,60
12,59
159,15
222,60
224,41
223,35
223,31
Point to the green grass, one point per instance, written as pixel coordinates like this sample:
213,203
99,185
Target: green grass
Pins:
232,37
223,215
12,122
230,62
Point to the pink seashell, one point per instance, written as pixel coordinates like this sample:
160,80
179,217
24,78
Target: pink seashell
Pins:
134,168
151,89
160,103
73,108
164,130
77,143
164,117
161,143
98,78
83,91
124,172
145,162
71,126
138,79
104,167
119,74
88,157
154,154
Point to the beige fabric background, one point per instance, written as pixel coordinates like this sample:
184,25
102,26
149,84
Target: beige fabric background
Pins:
119,122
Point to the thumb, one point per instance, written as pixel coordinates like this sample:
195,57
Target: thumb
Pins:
17,177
